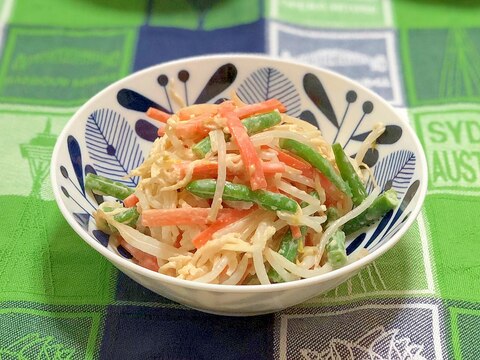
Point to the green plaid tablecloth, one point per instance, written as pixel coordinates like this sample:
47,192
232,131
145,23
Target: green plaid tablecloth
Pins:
59,299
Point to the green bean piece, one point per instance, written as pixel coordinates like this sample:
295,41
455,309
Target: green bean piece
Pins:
103,186
289,246
314,158
253,124
258,123
203,147
336,251
236,192
289,250
332,215
380,206
274,201
128,217
348,173
233,192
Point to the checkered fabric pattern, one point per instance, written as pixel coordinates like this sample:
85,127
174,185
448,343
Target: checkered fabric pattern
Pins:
59,299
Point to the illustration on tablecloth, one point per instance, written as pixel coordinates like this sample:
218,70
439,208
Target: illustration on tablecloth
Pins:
38,153
450,136
332,13
442,65
387,331
47,335
369,57
34,214
62,67
378,344
35,346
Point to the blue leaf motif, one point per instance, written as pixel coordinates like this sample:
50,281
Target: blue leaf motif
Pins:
397,170
371,157
267,83
102,237
380,227
132,100
221,79
76,159
82,219
308,116
355,244
409,195
146,130
391,135
124,252
316,92
112,146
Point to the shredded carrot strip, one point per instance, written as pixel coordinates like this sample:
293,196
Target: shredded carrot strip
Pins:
331,191
194,127
296,233
194,110
130,201
273,167
157,114
161,130
248,153
272,187
146,260
202,238
292,161
181,216
210,169
260,108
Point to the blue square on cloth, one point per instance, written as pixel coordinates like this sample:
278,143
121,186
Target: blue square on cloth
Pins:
160,44
135,332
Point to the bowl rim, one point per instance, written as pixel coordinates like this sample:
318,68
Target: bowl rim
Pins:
121,262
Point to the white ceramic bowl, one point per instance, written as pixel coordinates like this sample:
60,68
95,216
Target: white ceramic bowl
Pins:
110,135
